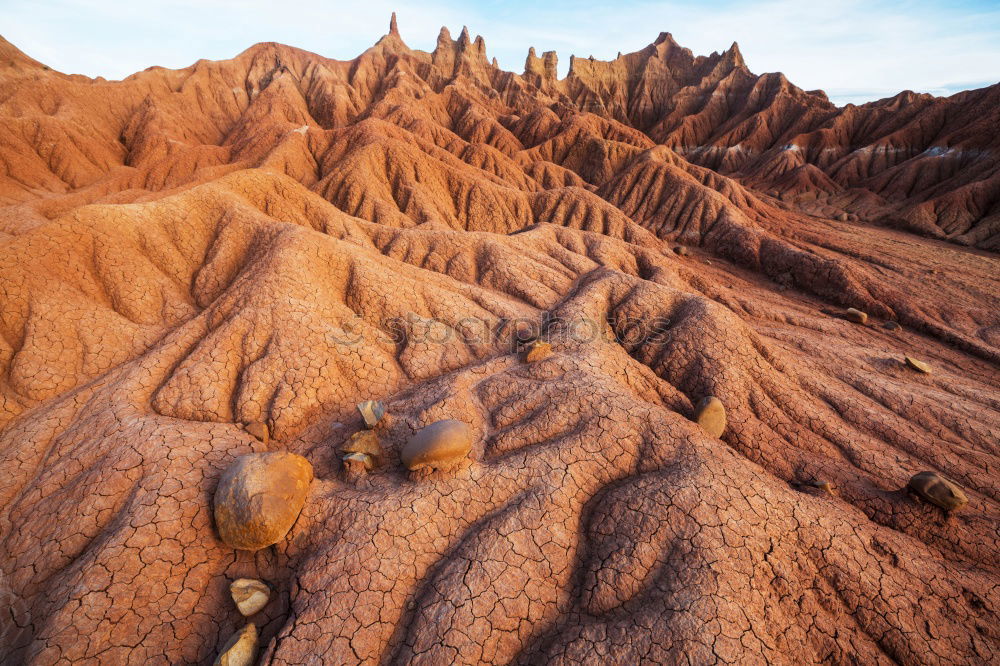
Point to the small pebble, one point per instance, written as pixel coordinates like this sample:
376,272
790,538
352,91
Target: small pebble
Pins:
919,366
855,315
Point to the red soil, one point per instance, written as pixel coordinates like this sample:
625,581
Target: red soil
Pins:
280,236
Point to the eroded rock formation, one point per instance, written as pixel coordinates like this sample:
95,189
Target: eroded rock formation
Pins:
275,238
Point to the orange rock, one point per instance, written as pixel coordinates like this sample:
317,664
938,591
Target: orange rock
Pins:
919,366
259,497
710,414
364,442
536,351
440,445
241,649
259,430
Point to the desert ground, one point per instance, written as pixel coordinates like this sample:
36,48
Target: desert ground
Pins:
204,271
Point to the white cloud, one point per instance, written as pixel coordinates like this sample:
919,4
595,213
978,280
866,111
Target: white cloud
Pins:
855,50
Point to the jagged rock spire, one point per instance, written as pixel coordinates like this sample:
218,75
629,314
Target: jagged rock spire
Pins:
544,68
735,56
393,28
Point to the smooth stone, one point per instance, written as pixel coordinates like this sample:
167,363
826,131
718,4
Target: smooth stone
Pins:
440,444
919,366
891,325
537,351
710,414
241,649
249,594
938,490
259,497
372,412
258,430
857,316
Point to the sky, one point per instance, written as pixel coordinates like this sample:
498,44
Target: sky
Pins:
855,50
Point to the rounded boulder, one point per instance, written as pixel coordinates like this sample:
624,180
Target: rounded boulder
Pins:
710,414
441,444
259,498
938,490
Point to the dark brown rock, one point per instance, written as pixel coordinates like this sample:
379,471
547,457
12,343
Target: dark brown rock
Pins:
524,334
938,490
855,315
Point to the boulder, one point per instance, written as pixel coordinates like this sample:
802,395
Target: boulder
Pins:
842,217
919,366
259,498
249,594
258,429
241,649
681,250
710,414
536,351
372,412
855,315
891,326
938,490
442,444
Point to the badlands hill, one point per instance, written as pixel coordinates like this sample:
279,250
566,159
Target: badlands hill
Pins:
277,237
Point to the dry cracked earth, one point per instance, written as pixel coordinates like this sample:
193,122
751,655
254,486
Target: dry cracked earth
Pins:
279,236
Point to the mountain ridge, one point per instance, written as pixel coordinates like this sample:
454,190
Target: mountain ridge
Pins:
925,164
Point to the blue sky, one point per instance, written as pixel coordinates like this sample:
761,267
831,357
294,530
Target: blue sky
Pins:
856,50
